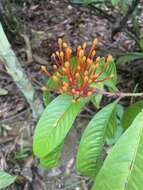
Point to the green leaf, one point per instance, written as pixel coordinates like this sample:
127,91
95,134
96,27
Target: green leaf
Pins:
52,159
96,99
111,71
92,142
130,113
128,57
46,97
54,124
6,179
123,168
112,125
3,92
111,140
114,2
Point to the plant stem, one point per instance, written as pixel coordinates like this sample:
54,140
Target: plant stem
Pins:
118,94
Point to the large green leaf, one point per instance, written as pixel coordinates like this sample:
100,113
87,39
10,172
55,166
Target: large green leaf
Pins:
128,57
6,179
54,124
123,168
112,125
130,113
52,159
92,142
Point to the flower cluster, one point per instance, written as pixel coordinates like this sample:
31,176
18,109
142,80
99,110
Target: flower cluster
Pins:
77,75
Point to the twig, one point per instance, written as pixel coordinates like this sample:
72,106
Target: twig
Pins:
118,94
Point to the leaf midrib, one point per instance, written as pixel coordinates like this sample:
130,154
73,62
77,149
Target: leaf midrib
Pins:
134,157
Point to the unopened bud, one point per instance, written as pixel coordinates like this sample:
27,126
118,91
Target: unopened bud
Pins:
95,41
84,45
109,58
73,91
60,41
67,64
89,93
55,78
65,45
44,88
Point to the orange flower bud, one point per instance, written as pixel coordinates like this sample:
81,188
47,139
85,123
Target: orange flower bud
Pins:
109,58
44,88
89,93
77,75
55,78
84,45
95,41
65,84
98,59
67,64
73,91
65,45
55,66
62,54
81,53
60,41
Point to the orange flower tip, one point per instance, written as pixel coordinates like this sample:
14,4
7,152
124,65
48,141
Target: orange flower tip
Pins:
77,75
43,68
93,53
73,91
53,55
98,59
67,64
64,88
55,66
84,45
109,58
44,88
89,61
65,45
65,84
85,78
61,54
95,41
86,73
79,48
79,67
81,53
64,69
84,58
60,41
55,78
57,53
89,93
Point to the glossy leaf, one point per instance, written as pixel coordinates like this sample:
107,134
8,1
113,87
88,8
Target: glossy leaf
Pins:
6,179
54,124
92,142
51,160
130,113
128,57
123,168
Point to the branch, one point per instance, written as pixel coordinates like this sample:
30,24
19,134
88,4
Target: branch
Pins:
15,70
118,94
123,22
